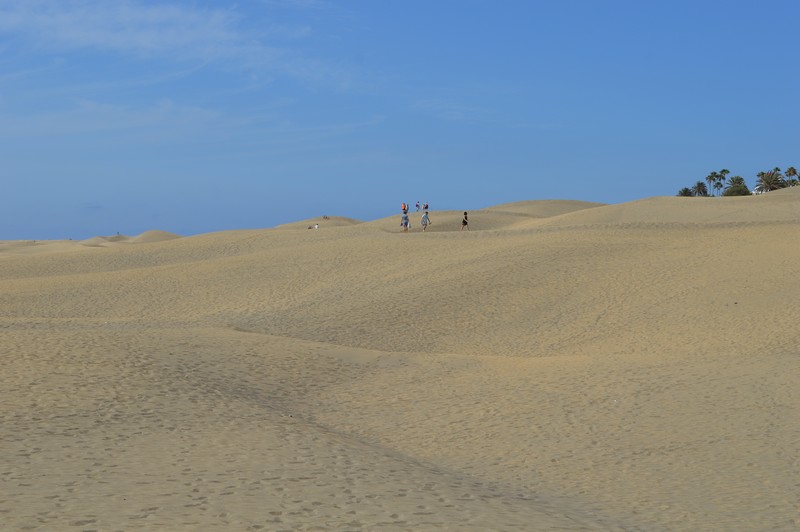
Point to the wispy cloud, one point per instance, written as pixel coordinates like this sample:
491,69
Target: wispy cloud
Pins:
458,111
168,122
166,31
201,70
123,26
21,74
164,119
300,4
451,110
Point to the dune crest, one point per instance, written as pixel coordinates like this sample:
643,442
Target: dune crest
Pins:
154,236
102,241
776,206
322,221
544,208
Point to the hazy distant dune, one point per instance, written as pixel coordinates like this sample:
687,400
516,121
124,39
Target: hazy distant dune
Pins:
35,247
144,238
153,236
98,241
330,221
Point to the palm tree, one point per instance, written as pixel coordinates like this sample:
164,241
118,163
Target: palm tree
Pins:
700,189
735,181
711,178
685,192
791,176
722,175
770,180
716,180
736,187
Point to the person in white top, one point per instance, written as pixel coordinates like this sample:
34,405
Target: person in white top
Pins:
425,221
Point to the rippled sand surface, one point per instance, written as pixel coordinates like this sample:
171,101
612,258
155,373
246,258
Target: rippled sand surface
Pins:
561,366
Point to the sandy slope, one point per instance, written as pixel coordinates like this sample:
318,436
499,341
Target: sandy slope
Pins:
563,365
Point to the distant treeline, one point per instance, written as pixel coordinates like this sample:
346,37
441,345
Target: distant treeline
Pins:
719,184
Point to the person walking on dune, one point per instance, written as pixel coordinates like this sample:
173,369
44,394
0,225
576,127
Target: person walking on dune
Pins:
465,222
404,221
425,221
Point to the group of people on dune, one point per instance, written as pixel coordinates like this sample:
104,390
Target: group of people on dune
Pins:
425,221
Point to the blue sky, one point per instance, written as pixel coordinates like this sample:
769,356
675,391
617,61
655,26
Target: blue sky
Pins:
196,116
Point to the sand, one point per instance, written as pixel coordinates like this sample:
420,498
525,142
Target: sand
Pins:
561,366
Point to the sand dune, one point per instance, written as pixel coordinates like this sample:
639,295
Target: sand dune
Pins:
323,221
778,206
153,236
563,365
35,247
45,247
544,208
506,216
144,238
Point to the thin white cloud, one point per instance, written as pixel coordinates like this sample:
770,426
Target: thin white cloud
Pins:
298,4
164,31
21,74
170,122
164,118
455,111
450,110
122,26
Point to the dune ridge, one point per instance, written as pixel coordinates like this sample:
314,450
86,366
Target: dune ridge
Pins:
562,365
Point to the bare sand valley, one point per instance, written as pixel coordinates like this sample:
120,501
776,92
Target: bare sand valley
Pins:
561,366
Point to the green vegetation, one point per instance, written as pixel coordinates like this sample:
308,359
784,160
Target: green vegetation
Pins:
719,184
